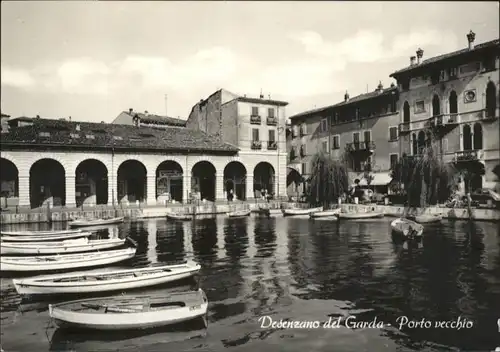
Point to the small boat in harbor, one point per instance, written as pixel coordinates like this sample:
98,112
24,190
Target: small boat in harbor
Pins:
239,213
101,281
427,218
133,312
40,233
65,261
325,213
297,211
354,216
180,217
43,238
96,222
407,228
59,247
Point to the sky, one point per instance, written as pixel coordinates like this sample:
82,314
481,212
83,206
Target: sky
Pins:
92,60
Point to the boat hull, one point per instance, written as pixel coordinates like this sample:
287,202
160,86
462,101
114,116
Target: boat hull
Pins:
44,238
406,228
99,222
39,233
239,214
356,216
126,320
59,248
294,212
326,213
61,263
37,287
179,217
427,219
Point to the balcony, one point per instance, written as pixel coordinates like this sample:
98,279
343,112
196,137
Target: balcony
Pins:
367,147
272,145
443,123
468,155
271,121
256,145
489,116
404,128
255,120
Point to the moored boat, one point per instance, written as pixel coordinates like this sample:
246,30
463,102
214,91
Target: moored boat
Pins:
427,218
239,213
101,281
44,238
181,217
325,213
65,261
297,211
59,247
133,312
352,216
406,228
39,233
96,222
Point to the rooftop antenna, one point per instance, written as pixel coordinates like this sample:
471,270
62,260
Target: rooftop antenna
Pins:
367,88
166,104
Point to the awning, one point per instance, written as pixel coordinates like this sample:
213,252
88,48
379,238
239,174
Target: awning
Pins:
379,179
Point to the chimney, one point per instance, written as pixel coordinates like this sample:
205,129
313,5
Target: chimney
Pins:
146,112
69,119
269,96
393,85
380,87
261,96
470,38
412,60
346,96
37,116
130,110
420,54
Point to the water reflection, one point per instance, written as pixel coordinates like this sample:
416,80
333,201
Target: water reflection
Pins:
170,242
204,241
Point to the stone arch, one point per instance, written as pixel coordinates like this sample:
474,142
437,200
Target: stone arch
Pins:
406,112
169,181
9,178
414,144
203,180
91,182
436,105
477,136
132,181
47,183
263,179
421,141
466,137
491,99
235,181
453,102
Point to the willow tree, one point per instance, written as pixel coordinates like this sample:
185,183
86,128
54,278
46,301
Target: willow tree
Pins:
329,180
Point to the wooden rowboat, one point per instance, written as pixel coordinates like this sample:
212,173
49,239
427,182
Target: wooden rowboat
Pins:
124,313
296,211
181,217
101,281
427,218
406,228
239,214
353,216
95,222
325,213
65,261
44,238
60,247
40,233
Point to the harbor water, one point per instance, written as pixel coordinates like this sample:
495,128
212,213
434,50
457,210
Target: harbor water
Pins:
262,275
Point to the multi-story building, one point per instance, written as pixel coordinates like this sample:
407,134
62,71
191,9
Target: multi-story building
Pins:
455,96
257,127
146,119
361,131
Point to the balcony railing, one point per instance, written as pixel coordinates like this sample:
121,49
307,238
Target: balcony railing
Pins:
361,146
271,121
489,115
444,120
468,155
256,145
272,145
404,127
255,120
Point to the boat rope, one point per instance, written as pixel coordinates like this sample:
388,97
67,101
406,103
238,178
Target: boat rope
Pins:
49,325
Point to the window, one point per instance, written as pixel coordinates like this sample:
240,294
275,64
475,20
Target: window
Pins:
325,146
489,63
303,129
303,150
272,136
419,107
44,134
255,111
435,77
255,134
393,133
324,125
304,168
270,112
445,145
355,137
90,136
405,85
394,160
336,142
74,135
442,75
367,136
452,72
118,138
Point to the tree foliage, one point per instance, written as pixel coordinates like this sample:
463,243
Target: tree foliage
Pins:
329,180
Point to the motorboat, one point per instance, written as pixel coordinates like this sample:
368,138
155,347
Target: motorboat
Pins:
44,238
325,213
60,247
239,213
297,211
96,222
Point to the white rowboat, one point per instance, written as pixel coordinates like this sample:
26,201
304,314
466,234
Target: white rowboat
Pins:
428,218
101,281
40,233
125,313
407,228
325,213
96,222
43,238
239,213
182,217
352,216
296,211
60,247
66,261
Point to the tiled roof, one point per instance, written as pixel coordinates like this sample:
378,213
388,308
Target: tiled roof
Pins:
157,119
352,100
5,115
262,101
107,136
457,53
